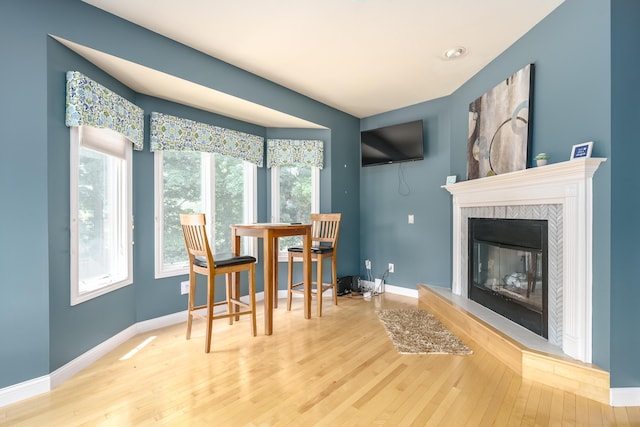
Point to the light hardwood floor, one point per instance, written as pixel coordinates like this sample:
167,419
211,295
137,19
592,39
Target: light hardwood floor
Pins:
337,370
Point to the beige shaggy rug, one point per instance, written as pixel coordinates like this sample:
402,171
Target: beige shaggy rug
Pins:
418,332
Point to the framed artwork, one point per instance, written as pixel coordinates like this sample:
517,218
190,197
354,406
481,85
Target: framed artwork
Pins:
499,127
451,179
581,150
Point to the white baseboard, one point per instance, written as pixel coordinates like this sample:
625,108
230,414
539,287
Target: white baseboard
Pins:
24,390
625,396
629,396
399,290
71,368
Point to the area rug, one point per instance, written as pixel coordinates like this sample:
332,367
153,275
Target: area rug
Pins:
418,332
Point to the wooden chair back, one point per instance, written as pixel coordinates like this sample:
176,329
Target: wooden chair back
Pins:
197,245
324,239
195,236
325,227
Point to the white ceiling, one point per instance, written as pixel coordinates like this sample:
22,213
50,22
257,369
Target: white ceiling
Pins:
362,57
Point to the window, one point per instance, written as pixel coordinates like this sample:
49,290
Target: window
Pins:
189,182
295,194
101,213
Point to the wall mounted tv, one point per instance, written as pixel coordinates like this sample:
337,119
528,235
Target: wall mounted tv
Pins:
392,144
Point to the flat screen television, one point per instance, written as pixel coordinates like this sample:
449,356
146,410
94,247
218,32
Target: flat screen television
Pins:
392,144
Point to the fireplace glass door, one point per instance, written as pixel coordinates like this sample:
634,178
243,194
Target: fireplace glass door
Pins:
508,269
515,273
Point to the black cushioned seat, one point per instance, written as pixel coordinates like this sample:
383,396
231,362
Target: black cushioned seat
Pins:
202,261
324,243
323,249
224,260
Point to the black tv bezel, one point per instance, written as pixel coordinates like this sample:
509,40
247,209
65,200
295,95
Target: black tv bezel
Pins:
391,161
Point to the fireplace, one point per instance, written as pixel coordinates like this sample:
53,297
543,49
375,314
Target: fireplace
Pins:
560,193
508,269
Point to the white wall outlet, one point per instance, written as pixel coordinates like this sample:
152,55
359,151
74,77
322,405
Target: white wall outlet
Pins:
184,287
367,264
411,219
391,268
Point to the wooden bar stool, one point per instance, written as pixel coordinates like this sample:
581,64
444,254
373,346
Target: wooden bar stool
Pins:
201,261
324,242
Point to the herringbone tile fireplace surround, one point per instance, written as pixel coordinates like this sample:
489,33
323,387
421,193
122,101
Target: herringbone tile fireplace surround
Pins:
561,194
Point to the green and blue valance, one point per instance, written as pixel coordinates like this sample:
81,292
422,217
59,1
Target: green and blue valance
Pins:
91,104
178,134
300,152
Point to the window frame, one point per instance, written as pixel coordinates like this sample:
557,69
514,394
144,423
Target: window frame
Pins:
111,143
275,198
250,201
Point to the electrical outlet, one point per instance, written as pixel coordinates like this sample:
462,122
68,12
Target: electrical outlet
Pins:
411,219
184,287
391,267
367,264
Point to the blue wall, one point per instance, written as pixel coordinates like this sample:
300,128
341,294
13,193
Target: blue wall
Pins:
585,57
24,260
625,187
39,330
571,104
420,252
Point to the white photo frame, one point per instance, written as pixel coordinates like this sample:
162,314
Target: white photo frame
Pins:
451,179
579,151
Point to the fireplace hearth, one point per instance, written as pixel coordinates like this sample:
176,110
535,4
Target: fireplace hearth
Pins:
560,193
508,269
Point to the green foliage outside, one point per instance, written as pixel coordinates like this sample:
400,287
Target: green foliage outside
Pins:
295,199
183,192
91,214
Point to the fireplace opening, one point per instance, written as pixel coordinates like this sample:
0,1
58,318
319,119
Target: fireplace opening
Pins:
508,269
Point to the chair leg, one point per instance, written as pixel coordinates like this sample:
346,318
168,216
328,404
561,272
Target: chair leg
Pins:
319,285
252,298
334,277
289,280
191,303
210,300
274,272
230,294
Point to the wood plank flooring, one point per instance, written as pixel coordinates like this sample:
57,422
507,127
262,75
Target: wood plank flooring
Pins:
338,370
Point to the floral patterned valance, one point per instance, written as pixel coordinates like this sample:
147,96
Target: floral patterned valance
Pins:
177,134
89,103
294,152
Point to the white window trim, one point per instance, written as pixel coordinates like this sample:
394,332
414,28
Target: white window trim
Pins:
275,198
122,150
250,215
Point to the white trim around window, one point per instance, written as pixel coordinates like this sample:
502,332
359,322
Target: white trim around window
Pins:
101,238
207,184
275,197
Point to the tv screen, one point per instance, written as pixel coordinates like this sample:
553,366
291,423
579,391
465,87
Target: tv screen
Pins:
391,144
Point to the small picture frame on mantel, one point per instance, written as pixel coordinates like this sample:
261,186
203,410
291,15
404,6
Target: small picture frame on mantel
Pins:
579,151
451,179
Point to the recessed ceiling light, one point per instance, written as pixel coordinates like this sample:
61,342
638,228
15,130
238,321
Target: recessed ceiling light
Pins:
455,53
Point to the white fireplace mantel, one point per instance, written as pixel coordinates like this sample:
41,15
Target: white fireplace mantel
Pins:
568,184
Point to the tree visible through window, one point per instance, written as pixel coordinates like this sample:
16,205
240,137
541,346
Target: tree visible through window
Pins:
296,194
194,182
101,223
181,193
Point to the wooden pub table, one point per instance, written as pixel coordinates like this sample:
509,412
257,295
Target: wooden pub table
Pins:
270,232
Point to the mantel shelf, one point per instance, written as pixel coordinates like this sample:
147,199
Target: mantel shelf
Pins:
566,184
556,173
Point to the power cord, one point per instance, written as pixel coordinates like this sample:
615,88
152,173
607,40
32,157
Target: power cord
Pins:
402,181
369,274
377,290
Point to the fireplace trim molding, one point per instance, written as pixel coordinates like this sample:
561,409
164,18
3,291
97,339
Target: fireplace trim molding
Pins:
568,184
